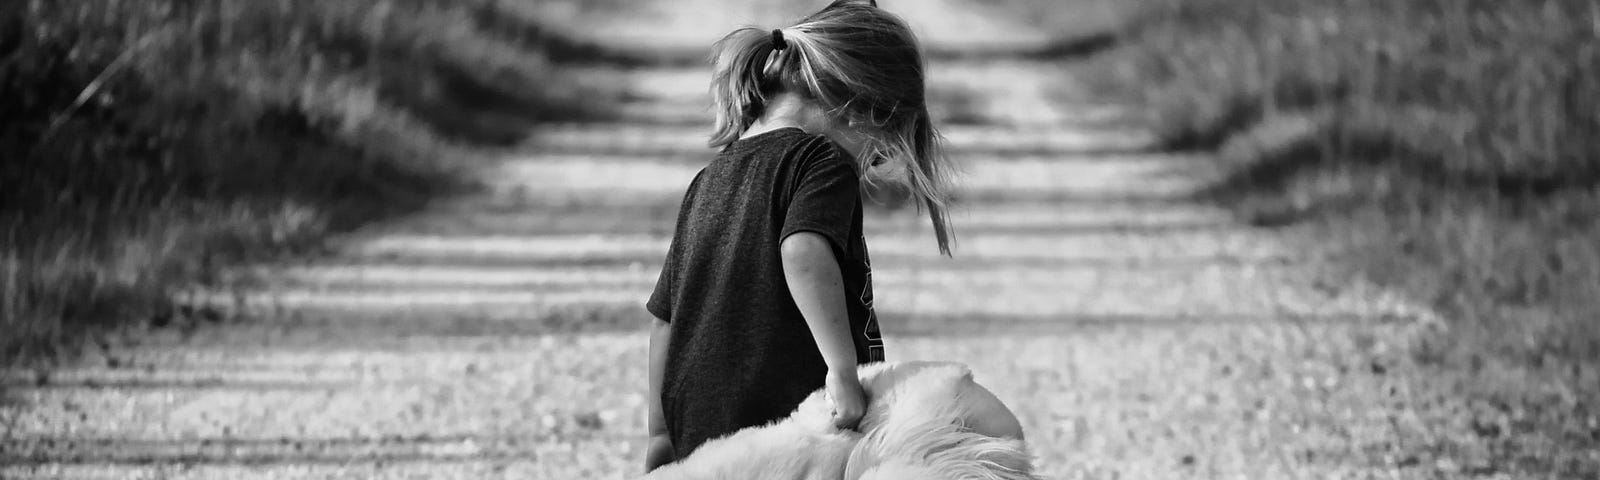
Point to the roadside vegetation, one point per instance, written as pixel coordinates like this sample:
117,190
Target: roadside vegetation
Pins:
147,144
1448,149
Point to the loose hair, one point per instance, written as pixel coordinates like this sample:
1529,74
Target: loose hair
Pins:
864,67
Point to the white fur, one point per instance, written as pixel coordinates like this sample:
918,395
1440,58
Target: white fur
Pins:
924,420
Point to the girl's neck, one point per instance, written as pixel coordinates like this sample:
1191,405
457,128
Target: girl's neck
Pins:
787,110
791,111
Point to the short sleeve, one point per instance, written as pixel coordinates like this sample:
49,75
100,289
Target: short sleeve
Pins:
826,195
660,302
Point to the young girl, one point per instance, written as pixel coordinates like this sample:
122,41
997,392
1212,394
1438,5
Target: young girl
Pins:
766,294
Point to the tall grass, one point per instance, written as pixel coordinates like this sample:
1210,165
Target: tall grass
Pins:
1469,125
1448,148
149,142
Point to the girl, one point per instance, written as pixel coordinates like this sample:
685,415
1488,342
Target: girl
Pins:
766,294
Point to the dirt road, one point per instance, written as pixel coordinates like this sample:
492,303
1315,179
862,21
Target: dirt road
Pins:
499,335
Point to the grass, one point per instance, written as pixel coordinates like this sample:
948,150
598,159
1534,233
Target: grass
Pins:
1074,18
149,143
1445,148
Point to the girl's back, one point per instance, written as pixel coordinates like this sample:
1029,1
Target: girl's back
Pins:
753,357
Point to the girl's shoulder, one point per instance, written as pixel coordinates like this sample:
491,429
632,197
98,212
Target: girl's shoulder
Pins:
818,148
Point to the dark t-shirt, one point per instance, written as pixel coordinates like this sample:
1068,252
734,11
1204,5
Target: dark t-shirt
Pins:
741,354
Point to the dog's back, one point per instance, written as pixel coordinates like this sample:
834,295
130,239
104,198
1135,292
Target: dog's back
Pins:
924,420
931,420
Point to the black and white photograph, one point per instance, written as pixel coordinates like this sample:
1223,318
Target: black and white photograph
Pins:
800,239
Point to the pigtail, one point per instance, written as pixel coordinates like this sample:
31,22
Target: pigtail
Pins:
743,64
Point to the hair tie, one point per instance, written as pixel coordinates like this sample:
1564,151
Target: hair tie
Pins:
777,40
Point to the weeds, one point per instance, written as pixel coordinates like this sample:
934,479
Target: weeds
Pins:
148,143
1447,147
1462,116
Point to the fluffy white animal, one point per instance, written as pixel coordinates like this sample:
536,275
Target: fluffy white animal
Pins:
924,421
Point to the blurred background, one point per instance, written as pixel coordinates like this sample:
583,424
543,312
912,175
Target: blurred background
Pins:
402,238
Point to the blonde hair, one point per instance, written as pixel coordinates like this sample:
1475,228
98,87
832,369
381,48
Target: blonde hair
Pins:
864,67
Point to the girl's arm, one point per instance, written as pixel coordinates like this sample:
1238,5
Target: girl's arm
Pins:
812,273
659,452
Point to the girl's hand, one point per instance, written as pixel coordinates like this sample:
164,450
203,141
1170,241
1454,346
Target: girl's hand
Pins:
812,273
843,390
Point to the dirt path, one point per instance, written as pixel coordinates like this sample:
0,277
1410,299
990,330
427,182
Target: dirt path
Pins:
499,335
